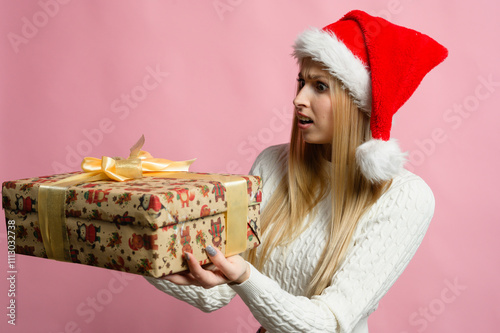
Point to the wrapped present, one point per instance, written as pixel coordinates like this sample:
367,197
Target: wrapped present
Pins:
139,225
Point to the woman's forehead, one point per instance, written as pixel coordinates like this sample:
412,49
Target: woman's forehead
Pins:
313,69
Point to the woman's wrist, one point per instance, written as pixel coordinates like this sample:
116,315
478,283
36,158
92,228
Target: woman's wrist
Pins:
245,276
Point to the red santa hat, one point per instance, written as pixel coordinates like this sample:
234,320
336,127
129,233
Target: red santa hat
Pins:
381,64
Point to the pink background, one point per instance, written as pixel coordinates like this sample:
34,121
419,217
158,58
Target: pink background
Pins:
67,68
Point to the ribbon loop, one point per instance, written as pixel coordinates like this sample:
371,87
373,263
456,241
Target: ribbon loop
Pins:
134,167
130,168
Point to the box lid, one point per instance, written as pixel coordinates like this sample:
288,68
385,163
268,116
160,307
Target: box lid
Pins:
149,201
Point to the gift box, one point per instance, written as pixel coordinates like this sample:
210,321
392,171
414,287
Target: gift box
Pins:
141,225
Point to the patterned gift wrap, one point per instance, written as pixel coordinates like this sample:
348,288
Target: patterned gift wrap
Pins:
140,226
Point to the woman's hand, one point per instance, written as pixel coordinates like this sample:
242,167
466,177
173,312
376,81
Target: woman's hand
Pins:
233,269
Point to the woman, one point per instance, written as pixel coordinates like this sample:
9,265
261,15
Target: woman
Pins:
341,218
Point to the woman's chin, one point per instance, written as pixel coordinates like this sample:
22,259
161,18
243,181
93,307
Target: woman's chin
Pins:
315,140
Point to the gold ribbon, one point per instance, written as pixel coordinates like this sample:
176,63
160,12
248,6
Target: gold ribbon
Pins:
51,197
237,207
51,216
236,215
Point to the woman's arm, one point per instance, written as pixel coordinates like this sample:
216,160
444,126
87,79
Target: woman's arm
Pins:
207,300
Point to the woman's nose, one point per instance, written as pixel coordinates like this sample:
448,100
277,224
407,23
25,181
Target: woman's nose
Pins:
301,99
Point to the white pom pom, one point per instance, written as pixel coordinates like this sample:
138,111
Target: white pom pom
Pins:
380,160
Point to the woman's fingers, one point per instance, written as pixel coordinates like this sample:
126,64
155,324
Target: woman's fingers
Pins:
205,278
225,266
234,268
182,279
222,270
194,266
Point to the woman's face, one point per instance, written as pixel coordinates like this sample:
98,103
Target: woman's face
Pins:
313,104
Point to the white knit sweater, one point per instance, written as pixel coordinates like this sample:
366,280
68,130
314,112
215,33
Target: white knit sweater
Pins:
384,242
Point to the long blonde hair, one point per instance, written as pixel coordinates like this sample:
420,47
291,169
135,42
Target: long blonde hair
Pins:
309,179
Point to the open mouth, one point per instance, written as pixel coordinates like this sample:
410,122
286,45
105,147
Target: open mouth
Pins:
304,120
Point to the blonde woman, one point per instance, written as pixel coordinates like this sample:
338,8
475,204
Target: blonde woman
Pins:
341,218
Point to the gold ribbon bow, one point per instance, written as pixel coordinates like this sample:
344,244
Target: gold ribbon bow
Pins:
51,197
140,163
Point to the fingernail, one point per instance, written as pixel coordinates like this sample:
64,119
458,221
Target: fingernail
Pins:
210,250
186,255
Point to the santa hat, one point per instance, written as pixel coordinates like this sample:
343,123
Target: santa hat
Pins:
381,64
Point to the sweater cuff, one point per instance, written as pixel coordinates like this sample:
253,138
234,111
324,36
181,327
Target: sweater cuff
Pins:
255,286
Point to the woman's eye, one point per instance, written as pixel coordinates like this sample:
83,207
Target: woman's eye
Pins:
320,86
301,82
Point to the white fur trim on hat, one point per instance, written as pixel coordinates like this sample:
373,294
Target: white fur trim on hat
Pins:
380,160
326,48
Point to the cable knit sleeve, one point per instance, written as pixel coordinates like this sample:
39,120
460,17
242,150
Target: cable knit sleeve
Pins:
207,300
386,239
